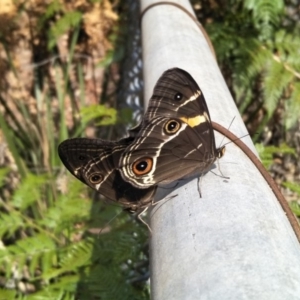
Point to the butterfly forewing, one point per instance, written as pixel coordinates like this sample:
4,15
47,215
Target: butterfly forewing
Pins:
171,156
176,94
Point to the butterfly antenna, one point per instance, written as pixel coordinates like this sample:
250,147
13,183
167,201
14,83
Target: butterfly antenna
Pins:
139,216
235,139
227,129
232,141
219,168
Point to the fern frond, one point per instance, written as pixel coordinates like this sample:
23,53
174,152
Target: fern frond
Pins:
77,254
10,222
65,211
276,80
26,195
295,207
260,57
292,186
292,106
266,14
27,251
266,152
100,114
287,47
49,294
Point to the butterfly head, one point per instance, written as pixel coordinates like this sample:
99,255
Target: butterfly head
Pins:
220,152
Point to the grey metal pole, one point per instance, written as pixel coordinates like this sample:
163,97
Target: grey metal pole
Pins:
235,242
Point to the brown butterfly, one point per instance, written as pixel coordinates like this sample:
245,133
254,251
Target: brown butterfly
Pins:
175,139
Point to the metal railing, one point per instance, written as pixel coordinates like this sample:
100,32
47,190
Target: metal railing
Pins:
235,242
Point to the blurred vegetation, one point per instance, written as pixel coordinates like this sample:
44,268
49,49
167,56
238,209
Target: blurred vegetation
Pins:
60,71
58,60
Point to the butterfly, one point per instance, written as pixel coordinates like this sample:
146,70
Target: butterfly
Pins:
174,139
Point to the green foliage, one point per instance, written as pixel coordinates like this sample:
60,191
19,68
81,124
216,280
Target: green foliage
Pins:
267,156
257,44
266,153
55,242
292,186
295,205
50,249
117,53
265,14
10,139
45,231
3,173
112,56
67,21
53,8
100,114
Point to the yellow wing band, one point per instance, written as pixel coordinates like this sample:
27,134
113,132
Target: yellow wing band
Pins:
195,121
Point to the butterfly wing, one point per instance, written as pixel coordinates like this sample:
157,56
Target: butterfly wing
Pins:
176,97
176,94
94,162
165,150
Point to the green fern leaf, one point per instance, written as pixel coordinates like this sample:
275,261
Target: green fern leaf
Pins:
266,14
10,223
70,259
295,207
266,153
276,80
29,191
30,250
292,105
292,186
69,20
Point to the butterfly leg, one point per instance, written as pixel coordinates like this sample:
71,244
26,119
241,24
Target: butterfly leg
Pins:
222,175
139,216
164,199
199,185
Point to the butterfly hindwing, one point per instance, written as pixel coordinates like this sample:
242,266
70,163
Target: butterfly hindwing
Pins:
94,162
